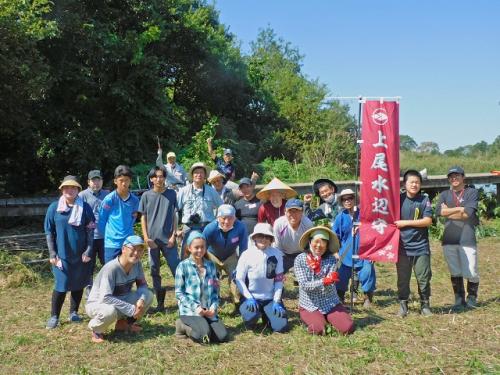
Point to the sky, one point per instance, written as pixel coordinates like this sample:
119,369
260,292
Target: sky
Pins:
441,57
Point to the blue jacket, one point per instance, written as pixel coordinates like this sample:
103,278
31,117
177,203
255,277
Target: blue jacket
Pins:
223,245
343,229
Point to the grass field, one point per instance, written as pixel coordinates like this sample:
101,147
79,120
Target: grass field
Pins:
446,343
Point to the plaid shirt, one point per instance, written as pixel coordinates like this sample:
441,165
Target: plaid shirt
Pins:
188,286
313,295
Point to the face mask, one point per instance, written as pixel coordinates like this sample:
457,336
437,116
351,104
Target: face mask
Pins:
330,199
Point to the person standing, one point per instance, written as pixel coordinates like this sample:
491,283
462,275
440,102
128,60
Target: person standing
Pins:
176,175
158,208
247,208
118,213
289,229
112,298
94,196
414,249
197,203
328,204
458,206
69,230
275,195
224,165
216,179
347,233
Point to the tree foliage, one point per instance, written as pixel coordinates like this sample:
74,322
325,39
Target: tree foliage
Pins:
90,84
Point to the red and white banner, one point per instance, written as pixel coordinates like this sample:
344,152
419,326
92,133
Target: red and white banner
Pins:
379,173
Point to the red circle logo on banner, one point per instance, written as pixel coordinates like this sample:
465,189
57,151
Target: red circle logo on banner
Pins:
379,116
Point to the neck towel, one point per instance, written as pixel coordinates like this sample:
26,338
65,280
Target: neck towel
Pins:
75,218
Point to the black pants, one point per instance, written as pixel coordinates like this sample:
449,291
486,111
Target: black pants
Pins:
58,301
203,327
421,265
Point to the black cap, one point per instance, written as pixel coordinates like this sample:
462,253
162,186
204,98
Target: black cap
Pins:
322,181
96,173
245,181
456,169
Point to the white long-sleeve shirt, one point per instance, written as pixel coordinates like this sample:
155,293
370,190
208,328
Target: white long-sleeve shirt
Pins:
263,269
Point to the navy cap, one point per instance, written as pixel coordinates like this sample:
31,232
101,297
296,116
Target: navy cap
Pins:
456,169
294,203
96,173
245,181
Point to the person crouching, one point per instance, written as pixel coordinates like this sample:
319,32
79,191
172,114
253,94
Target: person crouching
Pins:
112,299
259,277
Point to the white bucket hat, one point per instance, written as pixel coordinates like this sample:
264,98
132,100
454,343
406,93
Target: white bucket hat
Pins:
264,229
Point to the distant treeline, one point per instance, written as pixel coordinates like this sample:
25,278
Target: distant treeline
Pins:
91,84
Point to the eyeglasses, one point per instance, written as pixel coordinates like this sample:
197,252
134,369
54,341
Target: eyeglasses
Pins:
349,198
159,176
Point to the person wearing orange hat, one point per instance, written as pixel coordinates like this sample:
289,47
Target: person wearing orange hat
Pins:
275,193
69,229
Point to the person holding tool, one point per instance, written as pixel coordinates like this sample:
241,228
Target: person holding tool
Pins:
176,175
361,270
414,249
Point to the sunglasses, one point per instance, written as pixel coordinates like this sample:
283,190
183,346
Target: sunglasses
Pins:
349,198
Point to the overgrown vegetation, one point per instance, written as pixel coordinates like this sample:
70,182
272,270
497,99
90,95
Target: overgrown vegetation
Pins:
449,343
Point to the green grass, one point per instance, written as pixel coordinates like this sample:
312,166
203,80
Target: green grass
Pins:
450,343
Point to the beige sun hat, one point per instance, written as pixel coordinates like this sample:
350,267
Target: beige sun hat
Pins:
276,184
70,181
323,232
214,174
199,164
264,229
345,192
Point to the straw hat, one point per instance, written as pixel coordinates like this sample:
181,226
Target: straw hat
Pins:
199,164
333,241
276,184
264,229
70,181
215,174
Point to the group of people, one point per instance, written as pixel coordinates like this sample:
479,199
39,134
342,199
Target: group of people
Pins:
207,230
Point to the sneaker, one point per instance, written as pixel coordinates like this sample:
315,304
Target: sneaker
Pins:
471,302
97,337
53,322
74,317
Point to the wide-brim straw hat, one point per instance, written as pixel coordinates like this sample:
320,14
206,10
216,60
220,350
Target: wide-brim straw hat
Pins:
276,184
333,241
264,229
199,165
215,174
345,192
70,181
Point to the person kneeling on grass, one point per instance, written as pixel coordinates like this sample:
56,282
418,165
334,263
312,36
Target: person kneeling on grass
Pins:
259,276
316,273
112,299
197,292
